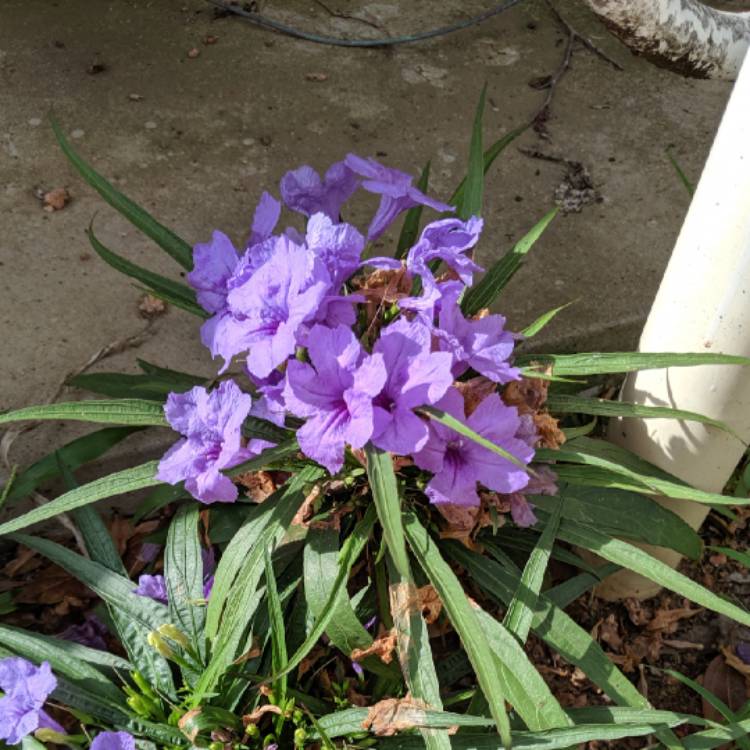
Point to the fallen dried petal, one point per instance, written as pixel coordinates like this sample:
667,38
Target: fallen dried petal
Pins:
393,715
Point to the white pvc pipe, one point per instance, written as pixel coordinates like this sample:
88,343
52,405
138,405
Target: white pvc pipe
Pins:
703,305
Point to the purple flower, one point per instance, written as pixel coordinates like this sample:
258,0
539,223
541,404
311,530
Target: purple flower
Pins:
742,650
266,311
396,191
213,264
521,511
458,463
113,741
212,426
339,247
154,587
208,585
26,688
148,552
446,240
91,632
416,376
302,190
481,344
335,394
358,669
265,219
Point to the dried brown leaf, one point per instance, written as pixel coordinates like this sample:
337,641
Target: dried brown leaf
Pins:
393,715
382,647
255,716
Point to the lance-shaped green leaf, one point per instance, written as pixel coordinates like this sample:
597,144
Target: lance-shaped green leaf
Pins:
566,404
170,291
127,480
73,454
120,385
132,412
533,328
488,288
463,618
471,200
599,363
165,238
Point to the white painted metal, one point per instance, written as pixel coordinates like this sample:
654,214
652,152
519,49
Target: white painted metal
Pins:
703,304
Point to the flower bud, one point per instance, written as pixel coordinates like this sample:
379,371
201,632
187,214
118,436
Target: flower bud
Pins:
157,643
174,634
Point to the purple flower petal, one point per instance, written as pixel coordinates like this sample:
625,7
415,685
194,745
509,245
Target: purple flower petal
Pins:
213,264
26,689
113,741
265,219
153,587
304,191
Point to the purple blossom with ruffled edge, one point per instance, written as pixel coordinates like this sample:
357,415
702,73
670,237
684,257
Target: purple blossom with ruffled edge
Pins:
91,632
416,377
265,219
26,688
543,482
266,311
458,463
212,426
154,587
113,741
339,247
396,190
481,344
446,240
213,264
304,191
334,394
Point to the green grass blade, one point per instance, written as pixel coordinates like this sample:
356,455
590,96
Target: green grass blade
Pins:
741,557
128,480
183,575
170,291
471,200
600,363
487,290
165,238
568,591
410,227
565,404
74,454
130,412
464,620
717,736
450,421
520,611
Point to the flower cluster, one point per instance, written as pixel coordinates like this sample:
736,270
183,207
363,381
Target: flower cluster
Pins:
295,308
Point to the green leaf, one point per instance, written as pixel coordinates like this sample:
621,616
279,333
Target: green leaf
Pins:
321,567
490,155
119,483
599,363
233,597
457,426
638,473
158,498
717,736
131,412
74,454
683,177
464,620
39,648
170,291
487,290
741,557
165,238
183,575
569,590
622,513
262,429
542,320
120,385
520,611
471,200
279,656
635,559
561,403
410,227
113,588
385,494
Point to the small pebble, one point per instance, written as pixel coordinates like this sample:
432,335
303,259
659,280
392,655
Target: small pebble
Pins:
193,53
77,133
248,141
150,125
135,97
35,122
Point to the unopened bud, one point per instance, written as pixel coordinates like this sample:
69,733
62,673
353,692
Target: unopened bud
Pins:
157,643
174,634
51,736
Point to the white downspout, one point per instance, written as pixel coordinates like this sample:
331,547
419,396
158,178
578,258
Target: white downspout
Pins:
703,305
